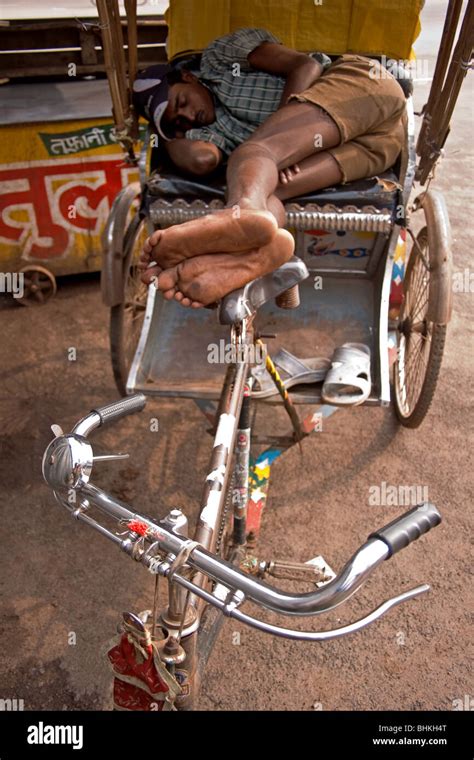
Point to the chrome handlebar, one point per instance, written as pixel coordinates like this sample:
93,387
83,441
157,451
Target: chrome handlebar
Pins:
67,462
108,413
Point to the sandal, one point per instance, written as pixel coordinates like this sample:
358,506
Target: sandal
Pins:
348,381
293,371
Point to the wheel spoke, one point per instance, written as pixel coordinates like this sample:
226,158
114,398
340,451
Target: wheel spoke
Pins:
416,368
420,312
416,372
414,360
420,281
422,293
135,305
416,350
135,299
418,380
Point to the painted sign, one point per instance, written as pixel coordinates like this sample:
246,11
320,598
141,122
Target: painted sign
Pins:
57,184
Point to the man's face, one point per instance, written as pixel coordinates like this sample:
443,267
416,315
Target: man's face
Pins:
190,104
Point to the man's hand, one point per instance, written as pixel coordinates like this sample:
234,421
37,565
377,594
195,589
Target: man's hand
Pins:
194,156
299,69
288,174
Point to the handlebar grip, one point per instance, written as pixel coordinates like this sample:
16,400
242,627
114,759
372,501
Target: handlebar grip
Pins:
118,409
407,528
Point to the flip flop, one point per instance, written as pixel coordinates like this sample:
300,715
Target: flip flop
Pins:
293,371
348,381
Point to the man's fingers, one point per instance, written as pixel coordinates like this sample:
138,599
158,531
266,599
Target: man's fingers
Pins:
292,171
288,174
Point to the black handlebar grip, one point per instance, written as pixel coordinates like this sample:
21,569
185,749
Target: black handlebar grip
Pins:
122,407
407,528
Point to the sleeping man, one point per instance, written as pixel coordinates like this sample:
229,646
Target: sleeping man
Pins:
287,124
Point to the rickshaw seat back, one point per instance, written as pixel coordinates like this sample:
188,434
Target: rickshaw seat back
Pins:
367,27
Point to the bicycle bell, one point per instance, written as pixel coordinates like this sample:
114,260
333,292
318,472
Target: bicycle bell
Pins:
67,462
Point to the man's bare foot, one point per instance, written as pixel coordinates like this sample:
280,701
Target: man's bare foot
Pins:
204,279
222,231
172,292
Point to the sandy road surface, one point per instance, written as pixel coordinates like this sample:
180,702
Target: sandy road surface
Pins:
57,578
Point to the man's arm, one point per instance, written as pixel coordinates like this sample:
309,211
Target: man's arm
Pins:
299,69
194,156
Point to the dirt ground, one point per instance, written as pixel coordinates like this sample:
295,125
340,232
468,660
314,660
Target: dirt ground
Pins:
58,578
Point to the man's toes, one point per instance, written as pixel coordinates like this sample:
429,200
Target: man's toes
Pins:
152,241
148,275
169,294
197,305
168,280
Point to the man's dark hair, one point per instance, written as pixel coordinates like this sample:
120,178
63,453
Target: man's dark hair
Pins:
175,76
187,62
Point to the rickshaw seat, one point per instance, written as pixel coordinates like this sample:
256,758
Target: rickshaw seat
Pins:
175,190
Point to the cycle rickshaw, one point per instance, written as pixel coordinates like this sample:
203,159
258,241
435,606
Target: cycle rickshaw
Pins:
395,260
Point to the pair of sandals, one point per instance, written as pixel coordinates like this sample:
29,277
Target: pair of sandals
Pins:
346,377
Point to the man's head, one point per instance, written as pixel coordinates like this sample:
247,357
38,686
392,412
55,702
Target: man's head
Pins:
190,104
174,99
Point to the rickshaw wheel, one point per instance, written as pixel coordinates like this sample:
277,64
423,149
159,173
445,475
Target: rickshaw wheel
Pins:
126,319
420,341
39,285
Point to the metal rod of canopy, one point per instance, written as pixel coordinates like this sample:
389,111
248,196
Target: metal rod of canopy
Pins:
116,68
447,40
132,52
458,69
445,87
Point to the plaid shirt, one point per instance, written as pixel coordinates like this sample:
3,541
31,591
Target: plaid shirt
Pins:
243,97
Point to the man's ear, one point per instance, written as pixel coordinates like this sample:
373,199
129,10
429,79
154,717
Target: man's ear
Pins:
187,76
